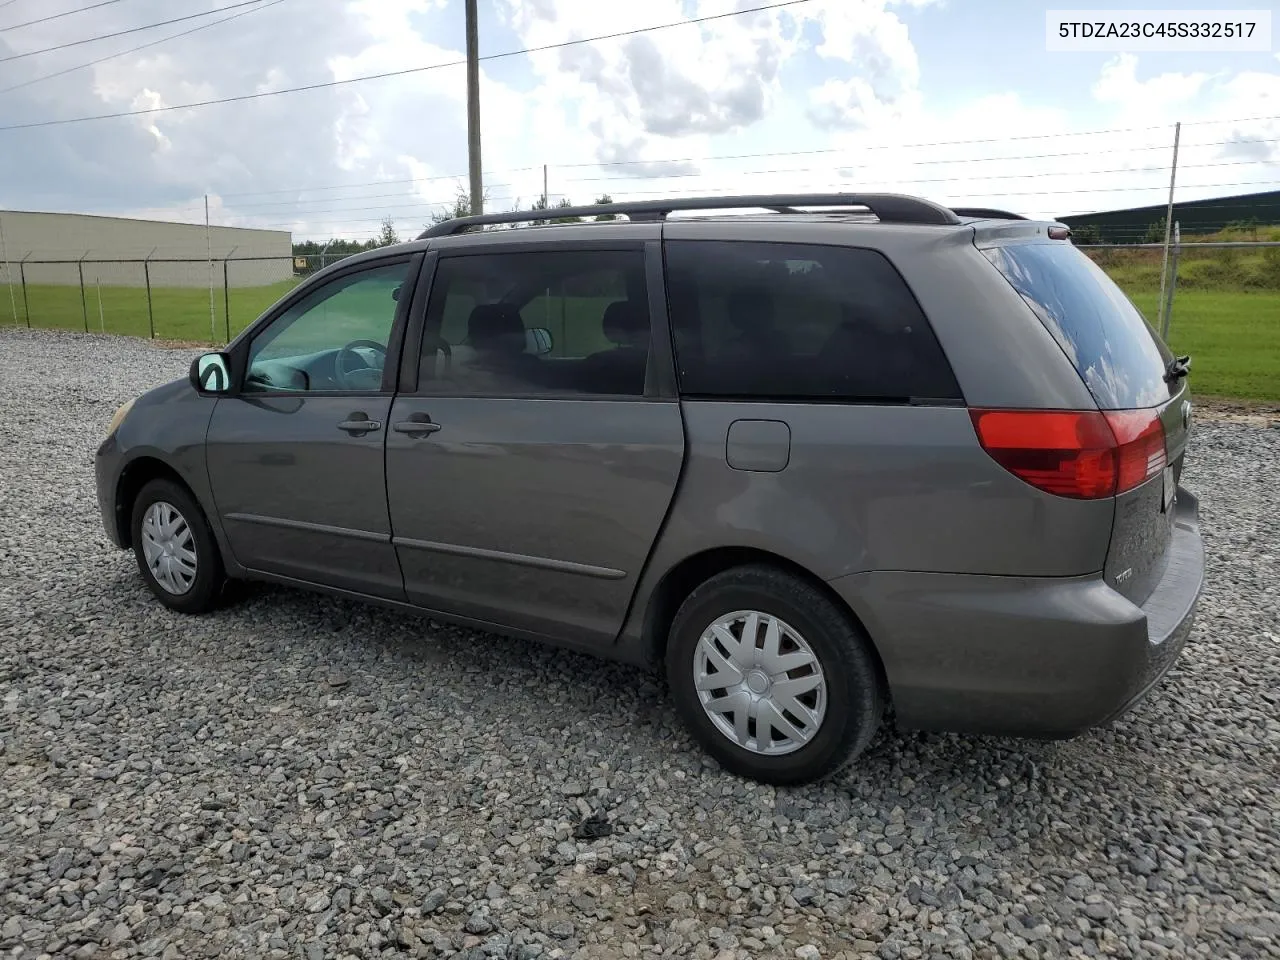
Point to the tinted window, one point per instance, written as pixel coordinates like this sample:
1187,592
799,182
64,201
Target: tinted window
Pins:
1117,354
333,339
796,321
528,324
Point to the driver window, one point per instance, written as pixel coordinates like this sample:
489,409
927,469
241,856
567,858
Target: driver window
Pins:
334,339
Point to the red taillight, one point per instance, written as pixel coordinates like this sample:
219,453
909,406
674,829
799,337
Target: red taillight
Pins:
1140,442
1082,454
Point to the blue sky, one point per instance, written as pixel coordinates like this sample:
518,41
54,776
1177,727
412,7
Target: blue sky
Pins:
971,47
954,99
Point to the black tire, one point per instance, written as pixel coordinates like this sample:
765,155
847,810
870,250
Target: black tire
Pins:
205,590
854,689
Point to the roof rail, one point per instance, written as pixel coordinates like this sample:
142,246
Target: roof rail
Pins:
986,213
888,207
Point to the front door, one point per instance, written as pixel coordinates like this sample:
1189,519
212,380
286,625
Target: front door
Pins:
529,473
296,457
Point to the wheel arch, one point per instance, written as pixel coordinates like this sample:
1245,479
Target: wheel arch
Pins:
137,473
684,577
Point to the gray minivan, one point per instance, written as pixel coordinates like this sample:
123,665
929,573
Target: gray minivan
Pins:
828,454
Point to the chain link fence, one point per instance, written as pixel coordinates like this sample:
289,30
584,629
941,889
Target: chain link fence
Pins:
186,300
1222,306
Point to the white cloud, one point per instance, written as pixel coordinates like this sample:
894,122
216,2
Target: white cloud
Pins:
1119,84
841,76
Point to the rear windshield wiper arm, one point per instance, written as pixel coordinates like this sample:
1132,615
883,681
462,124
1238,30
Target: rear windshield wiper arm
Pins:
1177,368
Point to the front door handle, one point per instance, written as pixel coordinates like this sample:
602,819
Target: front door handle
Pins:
360,424
415,428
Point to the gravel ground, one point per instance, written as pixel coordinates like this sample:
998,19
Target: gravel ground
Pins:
297,776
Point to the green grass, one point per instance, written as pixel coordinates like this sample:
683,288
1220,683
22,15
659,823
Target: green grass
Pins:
1233,339
1233,333
1199,268
181,313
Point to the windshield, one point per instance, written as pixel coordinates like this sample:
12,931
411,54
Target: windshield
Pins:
1118,355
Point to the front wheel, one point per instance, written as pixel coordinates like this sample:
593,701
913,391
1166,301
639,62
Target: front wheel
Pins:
177,555
772,677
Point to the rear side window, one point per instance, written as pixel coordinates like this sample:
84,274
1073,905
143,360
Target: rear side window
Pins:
795,321
1119,357
547,323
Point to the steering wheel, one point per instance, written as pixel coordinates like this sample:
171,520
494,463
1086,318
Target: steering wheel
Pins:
345,368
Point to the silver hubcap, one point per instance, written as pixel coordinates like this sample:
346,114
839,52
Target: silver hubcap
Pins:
760,682
168,547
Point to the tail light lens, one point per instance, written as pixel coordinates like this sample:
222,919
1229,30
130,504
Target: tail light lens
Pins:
1141,446
1084,454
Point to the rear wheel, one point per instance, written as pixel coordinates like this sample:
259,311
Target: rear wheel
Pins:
772,677
176,552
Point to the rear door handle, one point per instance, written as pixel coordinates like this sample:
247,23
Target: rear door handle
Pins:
415,428
360,426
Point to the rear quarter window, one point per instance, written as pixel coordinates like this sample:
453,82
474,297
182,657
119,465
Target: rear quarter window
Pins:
791,321
1116,353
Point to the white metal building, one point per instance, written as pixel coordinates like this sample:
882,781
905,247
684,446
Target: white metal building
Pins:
44,237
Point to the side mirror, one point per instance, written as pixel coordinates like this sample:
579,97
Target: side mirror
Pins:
211,373
538,341
395,294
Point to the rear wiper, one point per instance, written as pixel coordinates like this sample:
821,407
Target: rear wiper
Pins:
1177,368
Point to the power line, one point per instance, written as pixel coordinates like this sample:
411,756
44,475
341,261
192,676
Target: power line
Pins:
1181,206
59,16
914,146
743,173
1033,193
529,50
371,196
1085,153
143,46
371,183
976,176
389,211
741,156
122,33
381,76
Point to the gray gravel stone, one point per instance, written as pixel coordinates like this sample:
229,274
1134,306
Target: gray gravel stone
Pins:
841,886
302,776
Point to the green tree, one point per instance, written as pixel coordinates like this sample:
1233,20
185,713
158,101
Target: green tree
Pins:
603,199
1087,234
322,253
458,208
564,204
1155,232
539,204
387,235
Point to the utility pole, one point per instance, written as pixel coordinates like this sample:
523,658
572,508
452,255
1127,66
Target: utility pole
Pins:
1168,225
473,110
208,236
1173,285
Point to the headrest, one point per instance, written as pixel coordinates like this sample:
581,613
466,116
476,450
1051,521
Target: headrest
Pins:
625,325
494,325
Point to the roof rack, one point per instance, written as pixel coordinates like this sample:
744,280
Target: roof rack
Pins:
888,208
986,213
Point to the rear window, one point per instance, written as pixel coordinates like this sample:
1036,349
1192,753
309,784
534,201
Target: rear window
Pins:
797,321
1118,355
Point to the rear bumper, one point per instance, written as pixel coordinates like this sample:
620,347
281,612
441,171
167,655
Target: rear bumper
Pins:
1027,656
